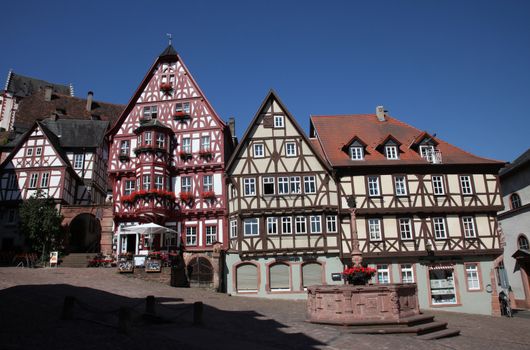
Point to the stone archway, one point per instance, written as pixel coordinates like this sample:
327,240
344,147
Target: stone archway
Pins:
84,234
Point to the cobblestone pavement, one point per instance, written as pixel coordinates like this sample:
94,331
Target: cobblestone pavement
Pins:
31,302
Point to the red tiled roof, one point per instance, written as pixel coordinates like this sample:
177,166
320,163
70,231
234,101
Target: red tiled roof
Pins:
335,132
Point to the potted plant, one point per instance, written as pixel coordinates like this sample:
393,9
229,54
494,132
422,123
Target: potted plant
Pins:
186,196
205,153
358,275
184,155
181,115
208,195
166,87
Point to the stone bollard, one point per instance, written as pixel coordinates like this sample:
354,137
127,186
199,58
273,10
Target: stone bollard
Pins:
150,305
197,313
68,308
124,320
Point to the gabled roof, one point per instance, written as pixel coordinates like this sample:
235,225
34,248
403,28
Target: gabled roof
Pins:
168,55
423,136
152,124
78,133
333,131
517,163
273,96
35,107
22,86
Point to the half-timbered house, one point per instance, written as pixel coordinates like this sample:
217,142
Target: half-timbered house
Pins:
422,210
284,226
166,163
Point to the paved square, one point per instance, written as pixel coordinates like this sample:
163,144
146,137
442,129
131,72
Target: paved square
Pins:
31,302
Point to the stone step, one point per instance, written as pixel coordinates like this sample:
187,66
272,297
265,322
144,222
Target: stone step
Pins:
444,333
77,259
393,329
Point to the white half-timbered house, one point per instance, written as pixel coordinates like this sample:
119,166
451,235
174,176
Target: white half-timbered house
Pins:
423,210
166,163
284,225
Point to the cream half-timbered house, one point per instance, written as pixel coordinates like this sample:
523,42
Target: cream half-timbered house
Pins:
284,227
422,210
166,163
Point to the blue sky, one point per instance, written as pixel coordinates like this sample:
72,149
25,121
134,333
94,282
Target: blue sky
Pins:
460,69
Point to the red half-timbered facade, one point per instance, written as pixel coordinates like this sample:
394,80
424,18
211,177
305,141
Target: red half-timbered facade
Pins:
166,164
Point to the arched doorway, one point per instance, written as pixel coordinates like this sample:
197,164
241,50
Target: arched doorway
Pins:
200,272
85,234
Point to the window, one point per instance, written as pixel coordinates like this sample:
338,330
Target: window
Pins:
290,149
279,277
295,185
311,274
473,279
258,150
356,153
391,152
250,227
125,147
465,184
309,184
29,151
287,225
159,182
515,201
373,186
442,283
79,159
148,138
207,183
191,235
186,145
183,107
45,180
438,185
272,226
247,278
185,184
146,182
150,112
205,143
407,273
331,224
374,228
268,185
405,228
400,182
38,151
383,274
283,185
439,228
316,223
233,228
250,187
139,140
129,187
160,140
33,180
469,227
427,152
522,242
211,235
300,224
278,121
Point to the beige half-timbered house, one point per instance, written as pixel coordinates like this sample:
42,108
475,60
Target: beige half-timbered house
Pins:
423,210
285,232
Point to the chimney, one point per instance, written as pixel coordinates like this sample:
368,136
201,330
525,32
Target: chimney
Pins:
380,112
232,126
48,93
89,98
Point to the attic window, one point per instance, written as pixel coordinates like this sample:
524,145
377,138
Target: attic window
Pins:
183,107
391,152
356,152
150,112
430,154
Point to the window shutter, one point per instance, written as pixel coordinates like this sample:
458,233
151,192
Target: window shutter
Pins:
268,121
247,278
312,274
279,277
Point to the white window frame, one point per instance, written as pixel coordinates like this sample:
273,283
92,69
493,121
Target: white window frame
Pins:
287,225
465,184
268,185
79,160
468,224
315,223
159,182
300,224
211,234
45,180
283,185
438,185
407,273
331,223
33,180
29,151
391,152
279,121
233,228
185,184
186,145
150,112
38,151
249,187
290,149
148,138
183,107
125,147
129,187
191,235
373,186
207,183
374,229
400,184
272,225
439,229
249,226
206,143
295,186
472,276
356,152
405,229
427,152
310,184
383,273
259,150
146,182
160,140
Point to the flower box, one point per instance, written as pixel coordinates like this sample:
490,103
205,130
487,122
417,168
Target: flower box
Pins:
358,275
166,87
184,155
186,196
182,116
208,195
205,153
124,157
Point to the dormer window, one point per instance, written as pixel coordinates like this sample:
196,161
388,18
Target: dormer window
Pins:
150,112
391,152
356,152
278,121
124,147
426,151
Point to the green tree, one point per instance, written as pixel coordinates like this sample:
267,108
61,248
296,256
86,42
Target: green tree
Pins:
40,221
